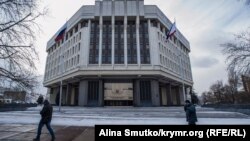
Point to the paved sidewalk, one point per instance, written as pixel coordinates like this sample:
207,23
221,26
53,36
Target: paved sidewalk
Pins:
19,132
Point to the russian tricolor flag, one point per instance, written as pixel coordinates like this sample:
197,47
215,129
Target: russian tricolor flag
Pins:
61,34
172,31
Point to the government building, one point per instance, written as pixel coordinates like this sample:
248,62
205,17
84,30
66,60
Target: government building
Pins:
116,53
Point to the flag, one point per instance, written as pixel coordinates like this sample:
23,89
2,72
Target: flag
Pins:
60,35
171,31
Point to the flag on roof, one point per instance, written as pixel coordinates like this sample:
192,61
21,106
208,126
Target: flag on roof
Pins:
61,33
171,31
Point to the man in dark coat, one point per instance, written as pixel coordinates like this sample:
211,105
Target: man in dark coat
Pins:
190,113
187,102
46,115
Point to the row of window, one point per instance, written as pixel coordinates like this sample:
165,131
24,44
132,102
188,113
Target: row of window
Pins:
169,64
70,63
169,58
65,51
74,61
119,42
175,68
55,51
72,51
68,36
162,35
54,59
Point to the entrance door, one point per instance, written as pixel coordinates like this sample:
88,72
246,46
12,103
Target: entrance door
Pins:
118,94
93,93
76,96
163,96
145,93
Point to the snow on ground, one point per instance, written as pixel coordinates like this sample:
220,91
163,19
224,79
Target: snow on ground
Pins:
79,116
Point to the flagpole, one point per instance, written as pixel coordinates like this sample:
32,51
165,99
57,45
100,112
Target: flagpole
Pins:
61,70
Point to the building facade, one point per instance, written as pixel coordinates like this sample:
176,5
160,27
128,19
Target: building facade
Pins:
115,53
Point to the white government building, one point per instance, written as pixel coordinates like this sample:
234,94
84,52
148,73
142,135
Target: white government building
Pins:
115,53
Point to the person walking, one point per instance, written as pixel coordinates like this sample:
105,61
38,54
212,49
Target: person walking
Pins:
190,113
46,117
187,102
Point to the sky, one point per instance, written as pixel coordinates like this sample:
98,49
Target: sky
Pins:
205,23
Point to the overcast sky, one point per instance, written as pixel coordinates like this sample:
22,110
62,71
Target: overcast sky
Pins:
205,23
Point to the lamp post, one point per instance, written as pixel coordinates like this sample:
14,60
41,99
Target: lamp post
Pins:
61,83
182,78
60,98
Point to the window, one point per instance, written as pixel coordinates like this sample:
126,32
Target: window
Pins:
144,42
66,37
161,28
131,42
119,42
154,23
70,33
76,28
160,59
145,92
106,42
84,24
78,59
94,43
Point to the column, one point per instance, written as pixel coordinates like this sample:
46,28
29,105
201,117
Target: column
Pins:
52,95
138,41
100,40
89,27
182,96
188,96
83,93
155,93
125,41
137,93
150,49
113,36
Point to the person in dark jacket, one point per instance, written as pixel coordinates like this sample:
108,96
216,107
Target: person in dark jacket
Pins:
190,113
187,102
46,114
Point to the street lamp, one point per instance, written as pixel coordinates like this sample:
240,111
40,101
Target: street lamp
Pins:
182,78
60,98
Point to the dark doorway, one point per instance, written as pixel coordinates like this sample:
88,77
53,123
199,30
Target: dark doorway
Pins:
145,93
93,92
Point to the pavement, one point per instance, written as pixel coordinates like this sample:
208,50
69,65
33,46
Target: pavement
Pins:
77,123
21,132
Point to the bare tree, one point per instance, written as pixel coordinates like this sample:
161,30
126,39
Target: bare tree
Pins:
17,35
218,91
238,53
208,98
233,83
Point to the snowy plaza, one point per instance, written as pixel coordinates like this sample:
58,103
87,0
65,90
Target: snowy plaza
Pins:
77,123
88,116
